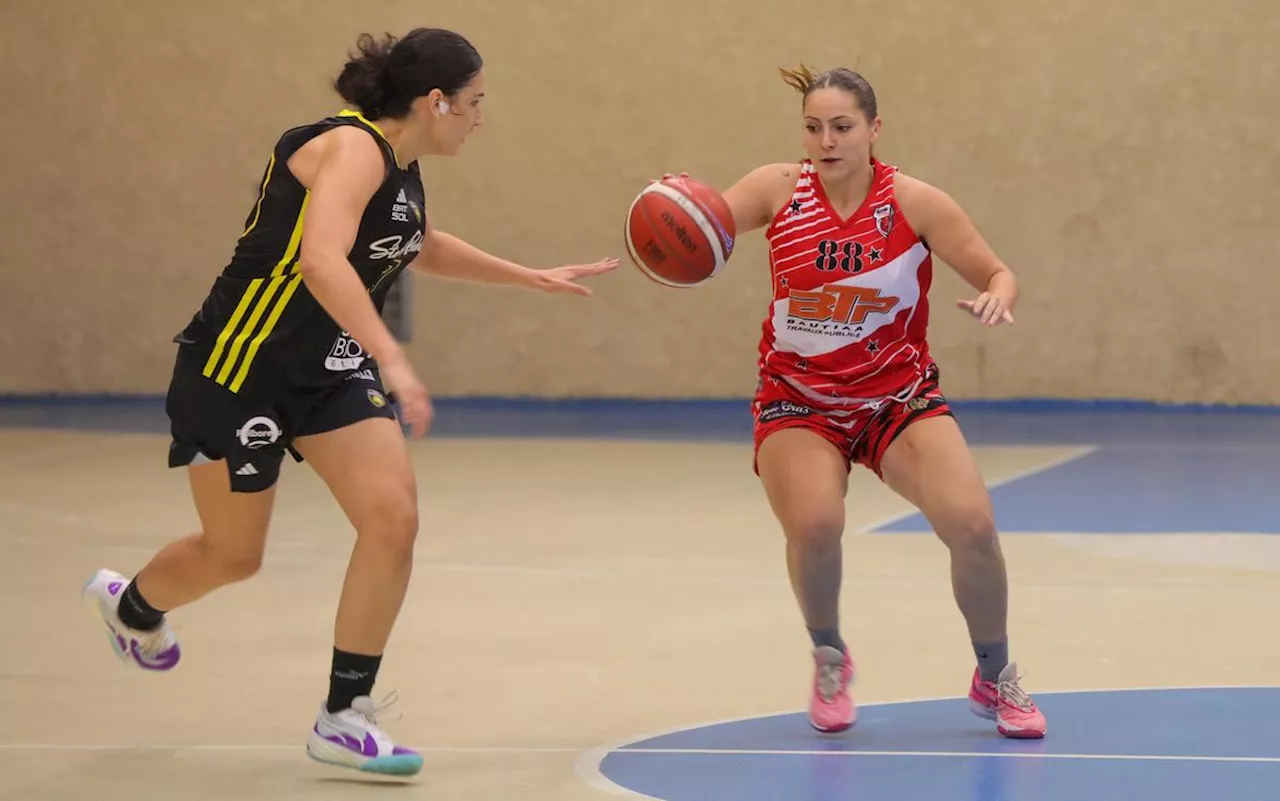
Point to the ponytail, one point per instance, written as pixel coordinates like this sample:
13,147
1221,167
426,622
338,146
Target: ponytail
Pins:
800,79
363,81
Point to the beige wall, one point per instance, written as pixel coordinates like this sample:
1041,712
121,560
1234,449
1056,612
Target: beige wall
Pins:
1122,157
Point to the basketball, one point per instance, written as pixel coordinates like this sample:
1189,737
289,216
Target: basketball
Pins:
679,232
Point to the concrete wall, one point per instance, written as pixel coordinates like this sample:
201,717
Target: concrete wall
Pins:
1122,157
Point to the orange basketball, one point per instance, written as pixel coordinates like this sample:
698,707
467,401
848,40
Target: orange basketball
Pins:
680,232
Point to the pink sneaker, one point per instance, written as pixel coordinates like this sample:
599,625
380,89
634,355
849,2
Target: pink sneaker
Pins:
831,709
1005,702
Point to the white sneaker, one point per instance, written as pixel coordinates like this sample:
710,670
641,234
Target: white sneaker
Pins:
149,650
351,738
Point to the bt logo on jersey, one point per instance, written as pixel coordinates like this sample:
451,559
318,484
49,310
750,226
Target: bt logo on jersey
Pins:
838,303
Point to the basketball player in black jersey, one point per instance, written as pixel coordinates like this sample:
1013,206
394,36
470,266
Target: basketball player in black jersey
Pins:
289,353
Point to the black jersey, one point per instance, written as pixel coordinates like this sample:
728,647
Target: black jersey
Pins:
260,329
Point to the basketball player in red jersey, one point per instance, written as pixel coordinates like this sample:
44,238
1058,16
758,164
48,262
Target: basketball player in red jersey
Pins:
846,376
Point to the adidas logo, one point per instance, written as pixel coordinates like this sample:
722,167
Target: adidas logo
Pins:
247,470
400,209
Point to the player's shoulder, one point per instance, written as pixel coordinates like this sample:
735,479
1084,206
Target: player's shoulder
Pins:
913,193
338,148
924,205
905,182
778,173
350,139
776,181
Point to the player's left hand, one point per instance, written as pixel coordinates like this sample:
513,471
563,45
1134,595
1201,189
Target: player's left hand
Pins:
563,279
990,309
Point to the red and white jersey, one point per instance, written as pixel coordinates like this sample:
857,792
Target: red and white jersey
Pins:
850,297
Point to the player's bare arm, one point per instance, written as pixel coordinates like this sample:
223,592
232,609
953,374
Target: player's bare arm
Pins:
952,236
446,256
756,197
343,171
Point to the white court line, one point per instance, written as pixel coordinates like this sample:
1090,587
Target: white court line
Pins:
1078,453
587,766
440,749
983,754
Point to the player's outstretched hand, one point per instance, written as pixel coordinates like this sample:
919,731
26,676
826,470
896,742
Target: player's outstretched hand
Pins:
990,309
563,279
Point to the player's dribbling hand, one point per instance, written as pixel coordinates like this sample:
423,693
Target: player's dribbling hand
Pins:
669,175
561,279
990,309
410,395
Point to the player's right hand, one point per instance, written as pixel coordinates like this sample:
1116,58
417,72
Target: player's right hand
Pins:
410,394
668,175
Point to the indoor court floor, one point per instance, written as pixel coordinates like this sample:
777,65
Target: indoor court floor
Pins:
600,607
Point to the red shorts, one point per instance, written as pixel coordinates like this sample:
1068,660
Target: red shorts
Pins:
861,435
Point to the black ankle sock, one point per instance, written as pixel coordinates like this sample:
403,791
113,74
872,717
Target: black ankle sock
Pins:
352,676
992,658
829,637
136,613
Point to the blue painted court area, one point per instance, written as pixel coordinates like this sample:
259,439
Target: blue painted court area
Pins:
1152,470
1163,745
1136,489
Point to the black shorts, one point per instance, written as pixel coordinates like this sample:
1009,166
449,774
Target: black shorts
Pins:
210,423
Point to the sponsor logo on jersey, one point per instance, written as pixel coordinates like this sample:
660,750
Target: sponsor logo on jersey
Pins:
395,247
403,205
400,209
836,305
258,432
346,354
776,410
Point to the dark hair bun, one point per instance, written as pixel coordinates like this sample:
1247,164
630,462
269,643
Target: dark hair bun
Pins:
363,81
387,75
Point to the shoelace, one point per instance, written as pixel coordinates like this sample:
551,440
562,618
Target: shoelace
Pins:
830,681
152,643
374,713
1012,692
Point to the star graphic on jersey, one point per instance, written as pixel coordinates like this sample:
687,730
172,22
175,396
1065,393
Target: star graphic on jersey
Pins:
784,281
803,364
872,347
795,206
876,254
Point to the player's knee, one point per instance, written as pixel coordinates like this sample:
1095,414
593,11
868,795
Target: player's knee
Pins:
241,567
392,522
815,528
232,565
972,528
